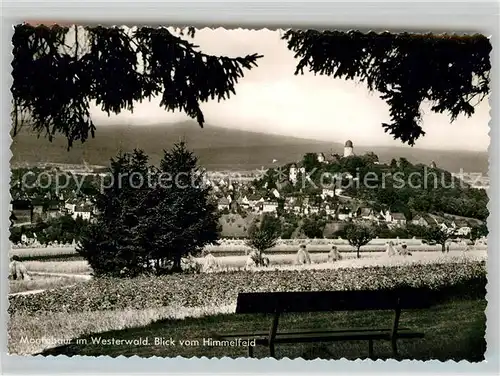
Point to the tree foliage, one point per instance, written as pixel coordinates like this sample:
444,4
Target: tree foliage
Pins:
449,71
180,216
59,71
358,235
313,227
63,229
264,234
439,234
310,162
148,218
478,232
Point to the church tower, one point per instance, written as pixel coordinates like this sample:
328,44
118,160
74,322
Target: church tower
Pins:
348,149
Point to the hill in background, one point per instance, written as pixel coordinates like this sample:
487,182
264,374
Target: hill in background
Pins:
218,148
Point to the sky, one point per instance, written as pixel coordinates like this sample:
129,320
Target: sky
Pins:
271,99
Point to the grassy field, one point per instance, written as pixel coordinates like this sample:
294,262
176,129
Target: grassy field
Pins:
285,261
41,282
63,326
235,248
454,330
349,260
103,305
69,267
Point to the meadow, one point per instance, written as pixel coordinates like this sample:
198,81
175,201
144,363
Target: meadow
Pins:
62,267
279,260
238,247
195,303
41,282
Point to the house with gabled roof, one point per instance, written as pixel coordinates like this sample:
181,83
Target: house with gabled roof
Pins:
398,219
83,211
420,220
223,203
244,202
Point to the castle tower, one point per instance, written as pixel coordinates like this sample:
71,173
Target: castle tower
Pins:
348,149
293,173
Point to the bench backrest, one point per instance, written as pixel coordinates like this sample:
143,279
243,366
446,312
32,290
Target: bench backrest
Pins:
321,301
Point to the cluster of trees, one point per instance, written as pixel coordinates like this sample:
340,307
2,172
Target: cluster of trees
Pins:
63,229
38,184
264,234
149,220
359,235
400,186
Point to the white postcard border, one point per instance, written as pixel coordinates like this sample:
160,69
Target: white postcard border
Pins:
424,16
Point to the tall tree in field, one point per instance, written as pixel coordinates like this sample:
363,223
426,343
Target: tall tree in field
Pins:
179,217
111,244
264,235
358,236
148,218
310,162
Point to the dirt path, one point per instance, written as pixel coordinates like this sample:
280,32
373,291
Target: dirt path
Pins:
30,292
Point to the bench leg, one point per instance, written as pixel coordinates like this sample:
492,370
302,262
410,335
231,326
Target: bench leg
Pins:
250,351
394,348
272,334
271,350
370,348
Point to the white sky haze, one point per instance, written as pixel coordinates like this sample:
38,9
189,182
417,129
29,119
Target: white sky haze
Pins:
271,99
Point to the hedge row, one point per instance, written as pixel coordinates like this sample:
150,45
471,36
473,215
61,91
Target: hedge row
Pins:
214,289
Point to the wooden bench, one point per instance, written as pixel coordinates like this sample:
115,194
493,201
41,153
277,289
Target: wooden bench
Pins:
277,303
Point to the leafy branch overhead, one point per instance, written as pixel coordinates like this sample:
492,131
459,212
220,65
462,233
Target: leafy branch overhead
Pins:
449,71
58,71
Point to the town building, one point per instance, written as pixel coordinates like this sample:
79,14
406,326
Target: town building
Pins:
83,211
269,206
419,220
223,203
22,212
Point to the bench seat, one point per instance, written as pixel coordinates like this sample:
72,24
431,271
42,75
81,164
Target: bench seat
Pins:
309,335
278,303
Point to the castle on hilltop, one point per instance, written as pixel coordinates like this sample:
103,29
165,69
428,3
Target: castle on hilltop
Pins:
348,149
